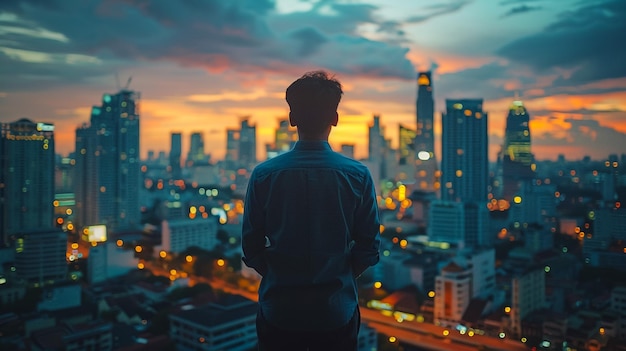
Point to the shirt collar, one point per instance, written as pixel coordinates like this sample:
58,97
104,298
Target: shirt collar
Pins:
312,145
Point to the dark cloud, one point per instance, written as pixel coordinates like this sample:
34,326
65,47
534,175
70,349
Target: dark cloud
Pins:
308,40
487,81
437,10
521,9
213,34
515,2
587,41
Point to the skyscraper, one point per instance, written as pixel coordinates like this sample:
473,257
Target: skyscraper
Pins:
406,150
426,162
107,163
377,148
175,154
247,144
517,160
27,163
464,159
196,149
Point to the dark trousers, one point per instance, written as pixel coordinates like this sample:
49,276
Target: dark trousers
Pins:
272,338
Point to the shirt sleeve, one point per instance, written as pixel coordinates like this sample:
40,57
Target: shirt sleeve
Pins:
366,235
253,230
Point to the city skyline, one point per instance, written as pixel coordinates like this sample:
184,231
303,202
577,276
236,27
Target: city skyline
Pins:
200,69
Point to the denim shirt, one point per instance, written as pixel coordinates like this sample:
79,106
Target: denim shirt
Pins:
310,227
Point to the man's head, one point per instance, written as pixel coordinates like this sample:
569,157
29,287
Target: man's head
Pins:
313,101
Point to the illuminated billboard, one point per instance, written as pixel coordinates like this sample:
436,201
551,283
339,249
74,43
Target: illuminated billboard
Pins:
97,233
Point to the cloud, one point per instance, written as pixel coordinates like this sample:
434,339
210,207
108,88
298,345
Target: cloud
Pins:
521,9
513,2
584,41
244,35
437,10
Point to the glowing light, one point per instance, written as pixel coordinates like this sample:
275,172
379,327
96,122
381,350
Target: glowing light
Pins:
60,220
188,258
446,332
173,272
140,265
378,285
502,335
431,294
193,209
221,262
68,211
119,242
163,254
507,309
470,333
70,226
392,339
524,340
423,155
74,246
138,248
547,269
602,331
403,243
517,199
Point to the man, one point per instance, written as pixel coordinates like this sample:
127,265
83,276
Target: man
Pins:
310,228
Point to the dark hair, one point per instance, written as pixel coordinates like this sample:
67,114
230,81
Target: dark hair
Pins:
313,100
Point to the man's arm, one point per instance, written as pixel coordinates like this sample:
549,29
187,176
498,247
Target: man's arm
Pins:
366,235
253,231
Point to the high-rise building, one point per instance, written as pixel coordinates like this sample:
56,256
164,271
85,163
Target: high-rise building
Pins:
426,162
27,167
175,154
517,160
285,137
107,164
377,148
406,153
459,224
247,144
241,145
464,159
40,256
528,294
196,154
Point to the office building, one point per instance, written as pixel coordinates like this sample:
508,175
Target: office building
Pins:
196,155
426,175
175,155
179,234
528,294
107,164
241,146
517,160
452,294
377,148
459,224
464,159
285,136
40,256
226,324
406,153
27,166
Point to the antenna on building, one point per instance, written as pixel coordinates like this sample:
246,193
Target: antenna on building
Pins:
128,82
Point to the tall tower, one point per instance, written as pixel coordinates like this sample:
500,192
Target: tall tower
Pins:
196,149
406,150
377,147
108,165
26,177
517,160
247,144
175,154
464,161
426,162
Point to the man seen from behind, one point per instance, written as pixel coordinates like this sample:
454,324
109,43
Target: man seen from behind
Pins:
310,228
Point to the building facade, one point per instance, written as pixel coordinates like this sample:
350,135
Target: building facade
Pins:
464,146
107,164
426,174
27,167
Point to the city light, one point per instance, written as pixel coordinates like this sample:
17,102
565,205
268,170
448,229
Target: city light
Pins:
138,249
188,258
163,254
431,294
392,339
221,262
378,285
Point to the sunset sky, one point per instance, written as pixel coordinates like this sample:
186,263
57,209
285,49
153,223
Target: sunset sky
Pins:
202,65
